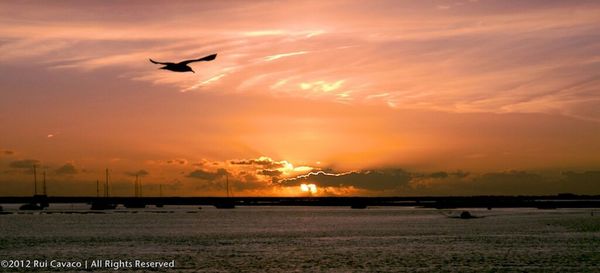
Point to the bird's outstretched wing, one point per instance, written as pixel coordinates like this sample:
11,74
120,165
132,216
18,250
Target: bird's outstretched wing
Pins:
207,58
155,62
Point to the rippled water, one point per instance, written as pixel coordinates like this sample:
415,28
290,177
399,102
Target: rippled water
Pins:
311,239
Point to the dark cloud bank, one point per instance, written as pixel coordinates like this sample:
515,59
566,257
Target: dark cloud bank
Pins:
398,181
207,175
67,169
24,164
139,173
263,162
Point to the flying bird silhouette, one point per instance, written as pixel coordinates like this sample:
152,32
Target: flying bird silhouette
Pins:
183,66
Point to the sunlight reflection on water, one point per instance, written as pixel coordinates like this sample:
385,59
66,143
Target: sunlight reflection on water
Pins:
312,239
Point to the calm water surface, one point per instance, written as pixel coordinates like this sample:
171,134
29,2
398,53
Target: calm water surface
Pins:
311,239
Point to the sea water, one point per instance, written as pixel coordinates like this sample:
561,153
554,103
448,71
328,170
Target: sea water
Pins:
305,239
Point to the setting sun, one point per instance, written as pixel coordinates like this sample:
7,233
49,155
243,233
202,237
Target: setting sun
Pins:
310,188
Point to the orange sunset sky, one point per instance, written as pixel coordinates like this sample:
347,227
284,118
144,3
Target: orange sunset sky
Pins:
358,97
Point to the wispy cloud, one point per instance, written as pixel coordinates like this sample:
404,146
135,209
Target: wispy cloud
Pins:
463,56
282,55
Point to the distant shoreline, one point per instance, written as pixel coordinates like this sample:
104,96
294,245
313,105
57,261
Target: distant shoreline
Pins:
541,201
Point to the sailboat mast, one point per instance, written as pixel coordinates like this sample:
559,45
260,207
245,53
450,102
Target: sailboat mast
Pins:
106,184
227,183
135,186
97,188
140,187
44,185
34,181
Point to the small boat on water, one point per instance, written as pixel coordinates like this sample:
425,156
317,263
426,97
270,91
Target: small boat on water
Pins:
100,203
226,203
467,215
31,206
136,203
463,215
39,201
